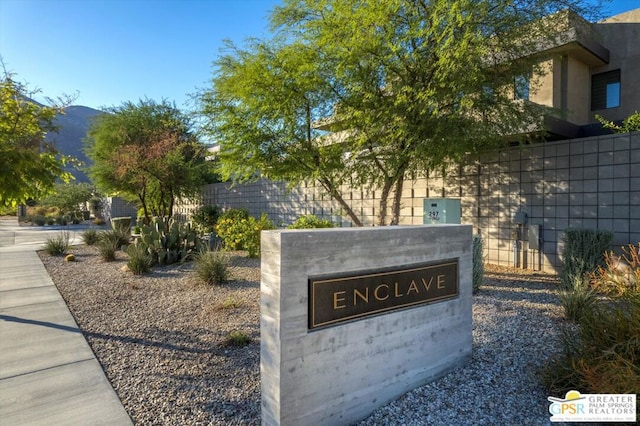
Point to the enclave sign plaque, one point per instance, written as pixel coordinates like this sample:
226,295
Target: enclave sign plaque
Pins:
338,298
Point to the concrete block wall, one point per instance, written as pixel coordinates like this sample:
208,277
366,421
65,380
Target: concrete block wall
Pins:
584,183
118,207
590,182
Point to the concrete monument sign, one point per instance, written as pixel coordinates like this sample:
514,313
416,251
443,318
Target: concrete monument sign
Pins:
352,318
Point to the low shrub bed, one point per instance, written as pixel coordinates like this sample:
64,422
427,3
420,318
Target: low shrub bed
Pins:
601,345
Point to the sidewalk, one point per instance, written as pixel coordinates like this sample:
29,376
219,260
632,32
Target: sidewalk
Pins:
48,373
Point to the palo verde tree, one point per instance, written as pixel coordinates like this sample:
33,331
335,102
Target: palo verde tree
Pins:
629,124
147,152
29,166
405,86
264,109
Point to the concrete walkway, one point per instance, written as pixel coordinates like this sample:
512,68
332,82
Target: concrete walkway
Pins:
48,373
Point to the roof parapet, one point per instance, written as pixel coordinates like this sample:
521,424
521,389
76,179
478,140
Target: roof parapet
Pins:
575,37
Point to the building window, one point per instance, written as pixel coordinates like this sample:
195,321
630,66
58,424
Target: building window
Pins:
521,87
605,90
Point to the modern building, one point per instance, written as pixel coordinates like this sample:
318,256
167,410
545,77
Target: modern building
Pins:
593,68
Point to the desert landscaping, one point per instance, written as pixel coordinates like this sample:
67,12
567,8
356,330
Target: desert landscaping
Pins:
166,342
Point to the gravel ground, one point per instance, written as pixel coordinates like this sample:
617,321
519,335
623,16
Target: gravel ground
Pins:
161,339
516,329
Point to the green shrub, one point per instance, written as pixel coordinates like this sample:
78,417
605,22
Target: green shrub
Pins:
212,267
8,211
67,196
70,258
602,355
39,211
62,220
620,275
251,236
119,237
39,220
139,259
235,214
560,375
238,338
230,231
577,301
51,220
122,224
58,244
240,232
205,218
90,237
478,263
107,248
601,351
583,252
229,226
310,221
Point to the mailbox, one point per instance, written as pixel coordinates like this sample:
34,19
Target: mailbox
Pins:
441,210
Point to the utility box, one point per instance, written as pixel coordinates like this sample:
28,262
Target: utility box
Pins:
520,218
441,210
534,237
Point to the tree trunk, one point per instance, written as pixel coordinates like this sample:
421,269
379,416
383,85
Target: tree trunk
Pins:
335,194
384,198
396,200
171,204
325,182
142,196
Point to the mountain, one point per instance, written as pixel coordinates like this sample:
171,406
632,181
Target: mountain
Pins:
73,126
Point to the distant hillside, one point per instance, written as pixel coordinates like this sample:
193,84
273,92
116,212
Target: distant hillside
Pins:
73,127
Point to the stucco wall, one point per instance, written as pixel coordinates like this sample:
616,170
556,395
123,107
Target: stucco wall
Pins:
620,34
544,85
578,82
566,83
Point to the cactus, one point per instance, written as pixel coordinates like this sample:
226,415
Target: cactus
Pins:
172,256
169,241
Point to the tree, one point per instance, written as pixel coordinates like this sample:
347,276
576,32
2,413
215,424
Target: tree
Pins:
629,124
29,165
263,110
405,86
68,197
147,153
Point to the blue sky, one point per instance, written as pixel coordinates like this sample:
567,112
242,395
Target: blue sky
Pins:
112,51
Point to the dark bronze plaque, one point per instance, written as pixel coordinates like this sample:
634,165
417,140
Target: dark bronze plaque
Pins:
339,298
